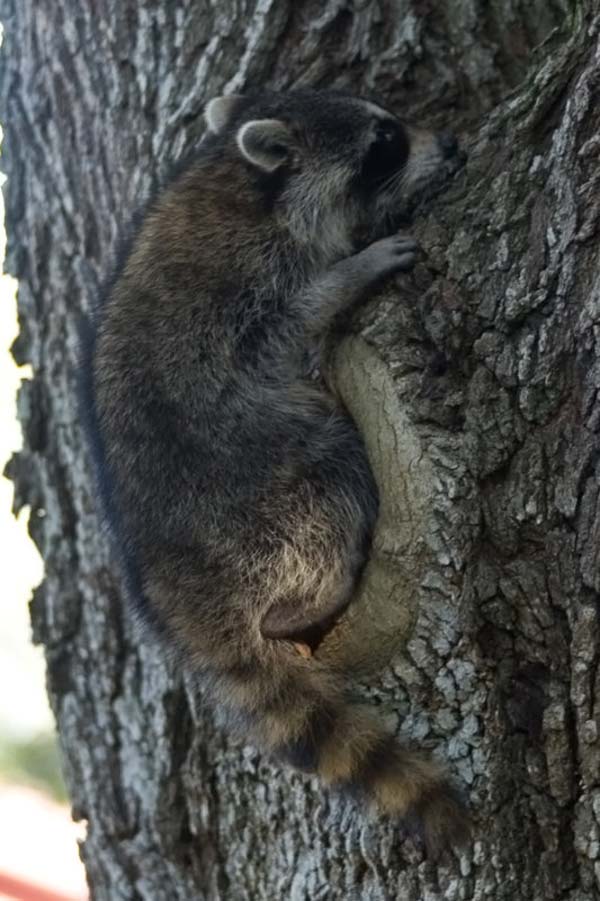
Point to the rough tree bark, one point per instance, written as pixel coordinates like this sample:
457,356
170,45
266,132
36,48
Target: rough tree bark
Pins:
491,357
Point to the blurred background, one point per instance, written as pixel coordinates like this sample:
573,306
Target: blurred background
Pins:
39,858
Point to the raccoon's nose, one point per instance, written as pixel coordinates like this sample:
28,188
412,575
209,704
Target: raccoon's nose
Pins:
448,144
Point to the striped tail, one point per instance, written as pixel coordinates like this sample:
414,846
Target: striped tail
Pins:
303,714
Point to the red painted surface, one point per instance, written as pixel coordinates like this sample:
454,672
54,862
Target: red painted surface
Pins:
13,887
39,858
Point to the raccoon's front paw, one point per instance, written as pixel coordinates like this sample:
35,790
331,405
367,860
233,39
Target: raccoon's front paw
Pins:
388,255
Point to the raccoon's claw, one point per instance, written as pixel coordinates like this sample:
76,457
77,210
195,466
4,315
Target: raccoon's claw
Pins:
395,253
404,242
406,249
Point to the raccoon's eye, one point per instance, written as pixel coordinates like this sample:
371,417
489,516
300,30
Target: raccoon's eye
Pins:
386,155
385,134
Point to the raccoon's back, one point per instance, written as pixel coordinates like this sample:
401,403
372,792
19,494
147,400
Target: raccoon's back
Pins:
170,463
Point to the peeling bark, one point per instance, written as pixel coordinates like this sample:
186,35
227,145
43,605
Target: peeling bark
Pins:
490,357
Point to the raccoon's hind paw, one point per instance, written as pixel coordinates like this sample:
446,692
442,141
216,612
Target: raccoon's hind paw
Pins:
441,821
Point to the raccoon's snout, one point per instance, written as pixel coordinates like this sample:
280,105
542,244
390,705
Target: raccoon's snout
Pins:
448,143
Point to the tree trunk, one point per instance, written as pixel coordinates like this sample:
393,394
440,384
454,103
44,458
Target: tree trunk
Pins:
488,358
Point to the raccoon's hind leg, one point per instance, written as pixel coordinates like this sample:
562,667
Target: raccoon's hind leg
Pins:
299,709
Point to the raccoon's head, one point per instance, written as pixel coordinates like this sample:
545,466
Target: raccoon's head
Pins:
330,164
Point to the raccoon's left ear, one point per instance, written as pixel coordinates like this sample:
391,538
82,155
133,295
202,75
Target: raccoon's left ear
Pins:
266,143
218,112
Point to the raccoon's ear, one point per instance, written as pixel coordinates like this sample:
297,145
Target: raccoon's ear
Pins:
218,112
266,143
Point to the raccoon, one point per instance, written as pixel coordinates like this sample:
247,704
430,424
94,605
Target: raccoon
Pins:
238,488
